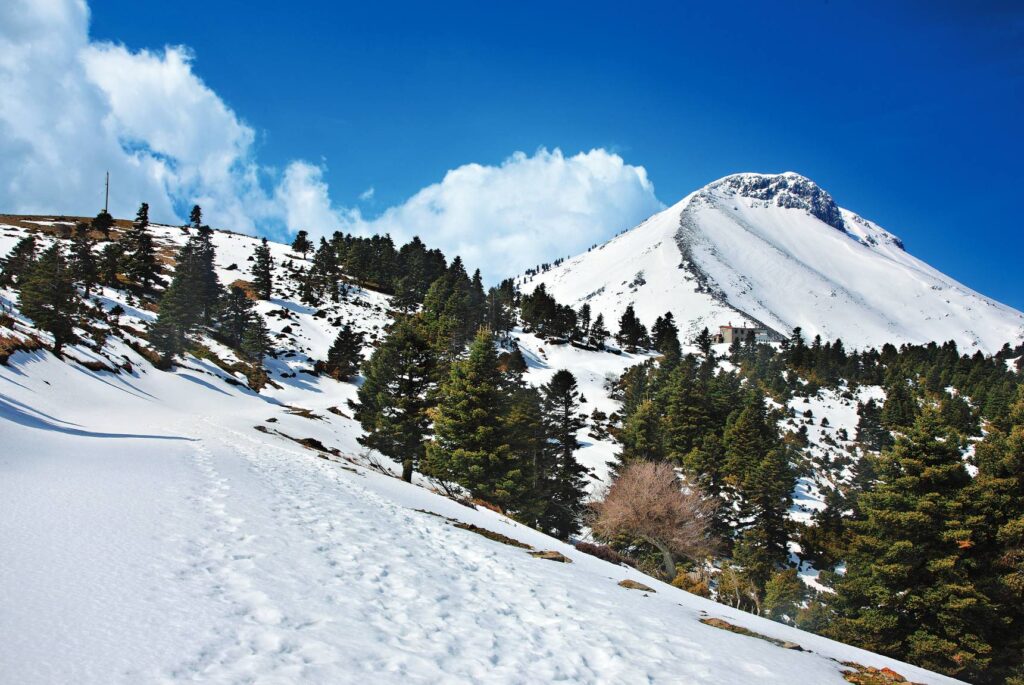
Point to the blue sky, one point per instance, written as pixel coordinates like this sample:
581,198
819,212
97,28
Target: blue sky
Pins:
908,113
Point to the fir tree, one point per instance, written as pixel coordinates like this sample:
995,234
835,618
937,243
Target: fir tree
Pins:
471,443
263,270
906,592
301,243
109,265
566,488
900,408
393,399
195,217
870,432
632,334
84,266
47,295
703,341
255,343
345,355
18,261
140,263
598,332
103,222
233,317
665,336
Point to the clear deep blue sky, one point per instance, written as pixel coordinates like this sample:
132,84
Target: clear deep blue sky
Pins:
909,113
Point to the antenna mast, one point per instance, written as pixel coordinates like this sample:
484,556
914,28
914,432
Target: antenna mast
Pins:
106,195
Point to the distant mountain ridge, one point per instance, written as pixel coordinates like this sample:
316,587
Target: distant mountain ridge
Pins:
776,250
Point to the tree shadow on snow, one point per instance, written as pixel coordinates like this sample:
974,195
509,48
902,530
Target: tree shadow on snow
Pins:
10,411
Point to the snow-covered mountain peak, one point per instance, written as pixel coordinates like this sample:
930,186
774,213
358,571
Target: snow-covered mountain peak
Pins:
789,190
776,251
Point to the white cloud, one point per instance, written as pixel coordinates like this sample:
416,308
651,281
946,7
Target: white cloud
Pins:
72,109
367,194
527,210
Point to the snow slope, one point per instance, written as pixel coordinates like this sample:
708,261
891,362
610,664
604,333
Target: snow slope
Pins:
168,526
776,249
152,535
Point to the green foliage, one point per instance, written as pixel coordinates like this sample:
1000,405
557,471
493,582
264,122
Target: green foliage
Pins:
783,594
18,261
472,437
907,591
632,334
346,354
263,270
47,295
564,489
393,399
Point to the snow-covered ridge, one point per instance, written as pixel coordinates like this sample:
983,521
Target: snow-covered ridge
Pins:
776,250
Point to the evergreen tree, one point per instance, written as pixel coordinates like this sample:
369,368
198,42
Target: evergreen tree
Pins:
686,418
183,304
906,592
641,436
47,296
598,332
900,408
870,432
195,217
583,318
263,270
566,489
255,343
84,266
233,317
393,399
665,336
301,244
18,261
472,439
103,222
632,334
139,255
346,354
109,265
703,341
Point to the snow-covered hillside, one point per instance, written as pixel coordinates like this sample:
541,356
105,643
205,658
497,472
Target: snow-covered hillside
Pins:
165,526
776,250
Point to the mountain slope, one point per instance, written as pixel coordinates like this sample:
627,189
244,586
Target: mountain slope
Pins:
168,526
776,250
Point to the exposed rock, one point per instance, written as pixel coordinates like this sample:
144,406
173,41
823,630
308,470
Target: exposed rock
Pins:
551,556
631,584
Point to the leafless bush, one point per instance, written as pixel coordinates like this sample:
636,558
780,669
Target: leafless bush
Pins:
647,501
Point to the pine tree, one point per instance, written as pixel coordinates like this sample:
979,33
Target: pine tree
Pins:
323,273
109,265
686,418
195,217
665,336
870,432
18,261
598,332
907,591
703,341
255,343
393,399
140,263
641,435
47,295
566,488
103,222
301,243
183,304
345,355
233,316
263,270
471,443
583,317
84,266
632,334
900,408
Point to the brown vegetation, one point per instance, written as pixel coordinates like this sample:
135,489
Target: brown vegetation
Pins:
647,501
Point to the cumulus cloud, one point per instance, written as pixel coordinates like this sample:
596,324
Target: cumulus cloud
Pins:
73,109
527,210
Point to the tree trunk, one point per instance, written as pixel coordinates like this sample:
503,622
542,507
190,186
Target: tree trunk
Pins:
407,470
668,561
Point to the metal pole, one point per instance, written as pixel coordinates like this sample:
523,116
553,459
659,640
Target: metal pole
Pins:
106,196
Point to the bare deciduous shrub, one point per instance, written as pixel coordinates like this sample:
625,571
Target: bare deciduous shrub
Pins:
647,501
